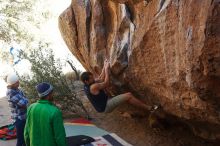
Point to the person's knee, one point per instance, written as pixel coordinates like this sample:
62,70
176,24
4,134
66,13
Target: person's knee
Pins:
128,96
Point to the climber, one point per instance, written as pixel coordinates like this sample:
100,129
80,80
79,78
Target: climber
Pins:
95,91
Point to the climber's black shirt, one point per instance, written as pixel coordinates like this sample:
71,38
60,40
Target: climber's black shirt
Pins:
98,101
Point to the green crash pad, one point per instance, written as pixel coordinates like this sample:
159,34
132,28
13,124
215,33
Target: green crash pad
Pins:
78,129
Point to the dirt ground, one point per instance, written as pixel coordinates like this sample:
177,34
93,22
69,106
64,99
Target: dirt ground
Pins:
5,119
133,126
4,112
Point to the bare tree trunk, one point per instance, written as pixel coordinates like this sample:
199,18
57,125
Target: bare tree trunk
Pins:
74,69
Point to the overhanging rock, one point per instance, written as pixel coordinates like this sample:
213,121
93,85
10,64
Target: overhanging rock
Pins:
167,51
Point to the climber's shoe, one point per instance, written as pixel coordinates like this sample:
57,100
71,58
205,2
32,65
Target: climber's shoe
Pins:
155,107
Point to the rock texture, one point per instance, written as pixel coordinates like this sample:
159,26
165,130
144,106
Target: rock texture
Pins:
165,51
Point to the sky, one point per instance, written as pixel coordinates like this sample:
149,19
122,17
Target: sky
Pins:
50,32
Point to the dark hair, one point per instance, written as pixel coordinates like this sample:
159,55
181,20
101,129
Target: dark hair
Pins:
85,76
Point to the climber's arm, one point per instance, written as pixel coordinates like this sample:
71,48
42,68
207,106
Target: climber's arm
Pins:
95,88
101,77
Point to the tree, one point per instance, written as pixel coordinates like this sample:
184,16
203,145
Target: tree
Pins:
19,19
45,68
12,13
77,72
16,17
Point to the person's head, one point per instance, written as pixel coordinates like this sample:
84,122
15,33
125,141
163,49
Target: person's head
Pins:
12,81
45,91
87,78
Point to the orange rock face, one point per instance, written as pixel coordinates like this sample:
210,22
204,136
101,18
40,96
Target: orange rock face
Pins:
165,51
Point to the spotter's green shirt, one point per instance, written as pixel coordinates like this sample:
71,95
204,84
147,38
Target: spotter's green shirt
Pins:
44,125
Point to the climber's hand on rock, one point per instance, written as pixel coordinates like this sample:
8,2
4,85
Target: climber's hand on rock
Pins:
107,65
105,62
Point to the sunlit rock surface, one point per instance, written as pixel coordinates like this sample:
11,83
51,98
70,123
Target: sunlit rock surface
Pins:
164,51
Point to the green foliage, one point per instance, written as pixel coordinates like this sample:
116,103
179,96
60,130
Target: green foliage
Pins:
12,13
45,68
20,19
17,18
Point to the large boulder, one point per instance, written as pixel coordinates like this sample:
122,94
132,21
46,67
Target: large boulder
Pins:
165,51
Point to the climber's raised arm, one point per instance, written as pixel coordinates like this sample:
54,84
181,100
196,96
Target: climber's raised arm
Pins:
95,88
101,77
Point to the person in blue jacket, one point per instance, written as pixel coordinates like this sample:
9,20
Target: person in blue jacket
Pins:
18,104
